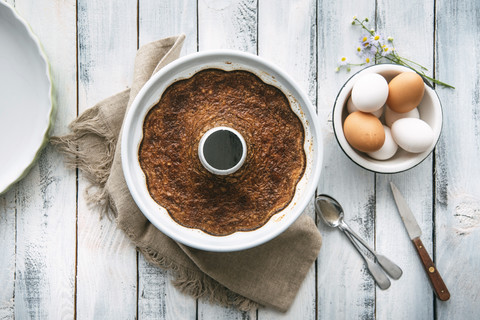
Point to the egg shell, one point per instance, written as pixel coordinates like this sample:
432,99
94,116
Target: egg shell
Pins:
364,131
388,149
392,116
351,108
370,92
412,135
405,92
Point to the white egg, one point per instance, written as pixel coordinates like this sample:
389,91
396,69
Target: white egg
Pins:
412,135
378,113
370,92
388,149
351,108
392,116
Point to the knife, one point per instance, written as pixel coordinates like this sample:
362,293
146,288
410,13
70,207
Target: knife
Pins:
415,232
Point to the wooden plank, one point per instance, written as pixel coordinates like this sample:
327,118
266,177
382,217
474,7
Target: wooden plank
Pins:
287,37
226,25
7,239
345,288
158,298
107,260
411,296
7,258
7,236
160,19
457,204
45,201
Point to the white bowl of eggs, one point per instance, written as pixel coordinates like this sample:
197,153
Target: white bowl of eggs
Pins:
386,119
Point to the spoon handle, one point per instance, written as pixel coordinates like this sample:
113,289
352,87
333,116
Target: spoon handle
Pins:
391,268
375,270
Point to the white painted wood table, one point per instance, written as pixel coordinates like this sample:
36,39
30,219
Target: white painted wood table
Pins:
59,261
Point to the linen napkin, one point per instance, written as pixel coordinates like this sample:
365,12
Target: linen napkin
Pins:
269,275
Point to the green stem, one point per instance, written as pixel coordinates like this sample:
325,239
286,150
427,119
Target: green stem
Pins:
422,67
403,63
364,27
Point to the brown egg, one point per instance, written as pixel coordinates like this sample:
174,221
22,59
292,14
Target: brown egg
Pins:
364,131
405,92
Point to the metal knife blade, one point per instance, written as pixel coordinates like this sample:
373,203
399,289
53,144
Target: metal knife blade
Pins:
409,220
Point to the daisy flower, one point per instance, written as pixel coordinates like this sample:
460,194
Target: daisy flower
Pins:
343,61
376,39
368,61
364,41
386,50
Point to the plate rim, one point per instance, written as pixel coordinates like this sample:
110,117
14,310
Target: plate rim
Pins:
52,111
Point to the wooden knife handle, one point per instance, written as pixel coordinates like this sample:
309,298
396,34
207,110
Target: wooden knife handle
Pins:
436,280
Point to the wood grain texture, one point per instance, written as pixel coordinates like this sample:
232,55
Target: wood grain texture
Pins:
45,201
345,288
160,19
287,37
157,297
228,24
107,266
411,297
38,216
8,248
457,202
7,258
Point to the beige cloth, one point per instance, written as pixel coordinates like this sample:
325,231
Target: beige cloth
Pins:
270,274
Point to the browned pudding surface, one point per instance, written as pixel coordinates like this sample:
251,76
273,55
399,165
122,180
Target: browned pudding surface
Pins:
246,199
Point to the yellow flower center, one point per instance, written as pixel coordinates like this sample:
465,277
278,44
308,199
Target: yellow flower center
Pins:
385,49
366,44
367,60
364,39
376,37
359,49
344,59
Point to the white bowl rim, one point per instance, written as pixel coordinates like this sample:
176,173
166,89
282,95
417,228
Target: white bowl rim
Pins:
307,194
370,165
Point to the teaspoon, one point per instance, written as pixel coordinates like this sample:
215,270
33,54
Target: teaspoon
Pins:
332,213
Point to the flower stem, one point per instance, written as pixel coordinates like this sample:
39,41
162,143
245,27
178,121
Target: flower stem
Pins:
380,55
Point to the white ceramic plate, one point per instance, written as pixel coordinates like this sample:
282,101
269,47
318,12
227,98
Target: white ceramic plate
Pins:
26,108
184,68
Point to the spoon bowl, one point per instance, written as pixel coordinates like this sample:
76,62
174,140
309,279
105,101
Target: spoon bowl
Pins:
330,210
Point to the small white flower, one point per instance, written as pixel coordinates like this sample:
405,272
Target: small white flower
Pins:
343,61
360,51
390,39
364,41
372,50
368,61
386,50
376,39
368,55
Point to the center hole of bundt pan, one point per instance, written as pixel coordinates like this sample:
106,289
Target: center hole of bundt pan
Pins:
222,150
